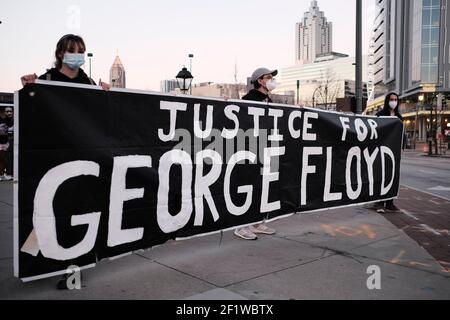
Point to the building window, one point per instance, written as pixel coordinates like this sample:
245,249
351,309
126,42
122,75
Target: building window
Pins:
430,40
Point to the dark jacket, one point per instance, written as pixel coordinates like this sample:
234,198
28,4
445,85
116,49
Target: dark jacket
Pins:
5,124
256,95
386,111
54,75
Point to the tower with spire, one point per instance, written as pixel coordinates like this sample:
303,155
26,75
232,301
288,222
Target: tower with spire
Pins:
313,35
117,74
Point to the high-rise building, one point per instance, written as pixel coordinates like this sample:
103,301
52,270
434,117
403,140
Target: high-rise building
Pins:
313,36
168,85
117,74
383,43
411,58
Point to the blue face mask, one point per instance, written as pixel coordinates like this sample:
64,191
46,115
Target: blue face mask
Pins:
73,60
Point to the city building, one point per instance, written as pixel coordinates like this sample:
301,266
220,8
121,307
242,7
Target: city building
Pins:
347,103
168,85
6,99
411,58
313,36
321,82
117,74
219,90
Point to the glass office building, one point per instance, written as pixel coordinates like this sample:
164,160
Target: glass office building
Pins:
412,59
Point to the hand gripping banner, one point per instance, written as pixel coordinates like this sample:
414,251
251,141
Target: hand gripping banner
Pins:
104,173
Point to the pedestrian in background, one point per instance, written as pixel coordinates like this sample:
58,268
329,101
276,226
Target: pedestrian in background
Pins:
4,143
263,81
10,151
391,108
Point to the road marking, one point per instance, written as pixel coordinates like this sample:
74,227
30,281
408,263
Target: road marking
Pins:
415,263
428,228
398,257
429,193
433,212
427,172
439,188
410,215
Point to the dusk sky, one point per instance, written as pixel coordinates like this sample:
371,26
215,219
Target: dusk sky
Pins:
154,38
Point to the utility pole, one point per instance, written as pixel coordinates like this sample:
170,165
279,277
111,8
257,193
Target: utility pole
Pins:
90,55
358,55
236,79
430,138
438,126
190,69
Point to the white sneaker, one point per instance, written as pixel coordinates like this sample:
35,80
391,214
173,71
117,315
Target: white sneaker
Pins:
7,177
261,228
245,233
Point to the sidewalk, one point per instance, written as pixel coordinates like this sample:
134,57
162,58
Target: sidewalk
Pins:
419,151
313,256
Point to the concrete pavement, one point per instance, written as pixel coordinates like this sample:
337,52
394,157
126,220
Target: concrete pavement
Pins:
321,255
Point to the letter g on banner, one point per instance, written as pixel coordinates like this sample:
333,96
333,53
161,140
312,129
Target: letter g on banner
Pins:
44,220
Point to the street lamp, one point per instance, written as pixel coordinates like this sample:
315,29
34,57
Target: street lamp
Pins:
184,80
420,98
314,96
90,55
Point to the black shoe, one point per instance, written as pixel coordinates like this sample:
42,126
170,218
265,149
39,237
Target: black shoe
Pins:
392,208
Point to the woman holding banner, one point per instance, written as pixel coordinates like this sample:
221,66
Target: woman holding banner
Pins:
391,106
69,57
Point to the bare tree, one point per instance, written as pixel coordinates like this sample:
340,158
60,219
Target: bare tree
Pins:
328,90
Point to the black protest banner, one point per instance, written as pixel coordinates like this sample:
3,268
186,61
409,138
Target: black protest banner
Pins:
102,174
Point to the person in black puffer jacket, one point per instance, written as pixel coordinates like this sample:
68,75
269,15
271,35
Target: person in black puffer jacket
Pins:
391,106
69,57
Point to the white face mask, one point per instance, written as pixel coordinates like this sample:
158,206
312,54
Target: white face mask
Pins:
271,85
73,60
393,104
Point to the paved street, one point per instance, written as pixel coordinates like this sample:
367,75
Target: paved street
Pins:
426,174
322,255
